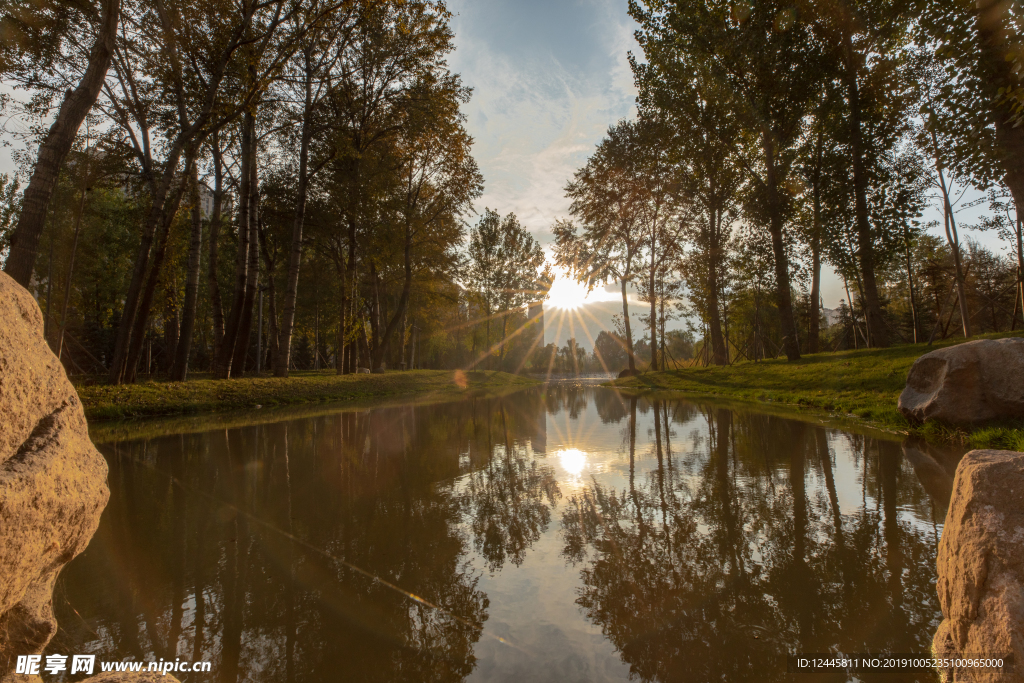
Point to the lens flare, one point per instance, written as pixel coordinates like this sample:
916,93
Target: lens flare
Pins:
566,293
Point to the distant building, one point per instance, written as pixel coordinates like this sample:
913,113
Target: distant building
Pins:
831,316
206,203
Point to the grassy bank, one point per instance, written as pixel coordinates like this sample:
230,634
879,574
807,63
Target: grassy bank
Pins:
865,383
153,398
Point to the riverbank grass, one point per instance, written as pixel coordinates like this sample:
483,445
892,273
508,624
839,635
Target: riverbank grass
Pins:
204,394
864,383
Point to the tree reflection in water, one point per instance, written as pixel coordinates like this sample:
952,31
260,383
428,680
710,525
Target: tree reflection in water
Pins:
356,546
722,559
209,547
509,498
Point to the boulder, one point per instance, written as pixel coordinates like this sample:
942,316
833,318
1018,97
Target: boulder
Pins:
111,677
53,482
147,677
968,383
981,564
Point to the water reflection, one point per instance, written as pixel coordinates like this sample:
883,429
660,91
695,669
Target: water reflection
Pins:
556,534
714,565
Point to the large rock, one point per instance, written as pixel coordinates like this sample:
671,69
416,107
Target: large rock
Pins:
53,482
968,383
146,677
981,564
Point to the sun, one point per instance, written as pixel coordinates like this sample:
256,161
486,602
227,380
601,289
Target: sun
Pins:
566,293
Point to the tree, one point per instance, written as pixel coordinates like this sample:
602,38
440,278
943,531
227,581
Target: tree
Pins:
704,146
151,94
610,351
507,271
771,68
608,197
57,143
312,76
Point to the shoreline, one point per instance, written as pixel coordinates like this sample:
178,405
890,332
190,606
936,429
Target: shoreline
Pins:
160,398
862,384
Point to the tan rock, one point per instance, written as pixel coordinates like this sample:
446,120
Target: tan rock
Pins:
981,564
967,383
52,480
147,677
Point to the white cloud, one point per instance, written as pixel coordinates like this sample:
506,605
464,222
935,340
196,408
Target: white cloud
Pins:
535,117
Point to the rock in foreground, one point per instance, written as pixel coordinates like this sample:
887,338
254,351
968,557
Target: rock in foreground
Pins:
53,482
968,383
981,564
145,677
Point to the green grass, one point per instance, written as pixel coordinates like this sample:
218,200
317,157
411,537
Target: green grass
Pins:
154,398
865,384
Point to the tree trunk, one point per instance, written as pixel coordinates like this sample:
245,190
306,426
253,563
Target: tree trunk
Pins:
76,105
381,344
813,331
252,271
626,328
71,272
814,312
949,222
284,344
155,219
172,324
216,307
222,368
412,353
652,291
783,296
877,332
720,353
179,371
405,334
664,355
269,265
1020,265
349,301
137,335
910,282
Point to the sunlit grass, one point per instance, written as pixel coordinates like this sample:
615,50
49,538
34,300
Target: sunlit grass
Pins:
149,398
865,383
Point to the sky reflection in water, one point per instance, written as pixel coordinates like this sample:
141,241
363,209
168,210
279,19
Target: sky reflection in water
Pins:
562,534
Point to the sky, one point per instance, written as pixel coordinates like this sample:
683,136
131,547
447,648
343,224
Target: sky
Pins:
549,77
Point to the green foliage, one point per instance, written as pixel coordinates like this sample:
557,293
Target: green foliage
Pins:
10,208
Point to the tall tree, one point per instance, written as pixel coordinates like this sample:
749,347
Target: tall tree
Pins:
57,143
771,67
864,35
607,197
312,77
704,146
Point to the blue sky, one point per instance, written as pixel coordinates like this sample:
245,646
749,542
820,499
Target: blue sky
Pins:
548,78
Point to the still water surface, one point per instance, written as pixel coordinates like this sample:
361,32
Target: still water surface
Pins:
563,533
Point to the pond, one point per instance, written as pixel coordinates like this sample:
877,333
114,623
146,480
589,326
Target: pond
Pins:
559,533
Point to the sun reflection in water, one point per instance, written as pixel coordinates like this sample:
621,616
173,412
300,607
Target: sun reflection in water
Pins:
573,460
